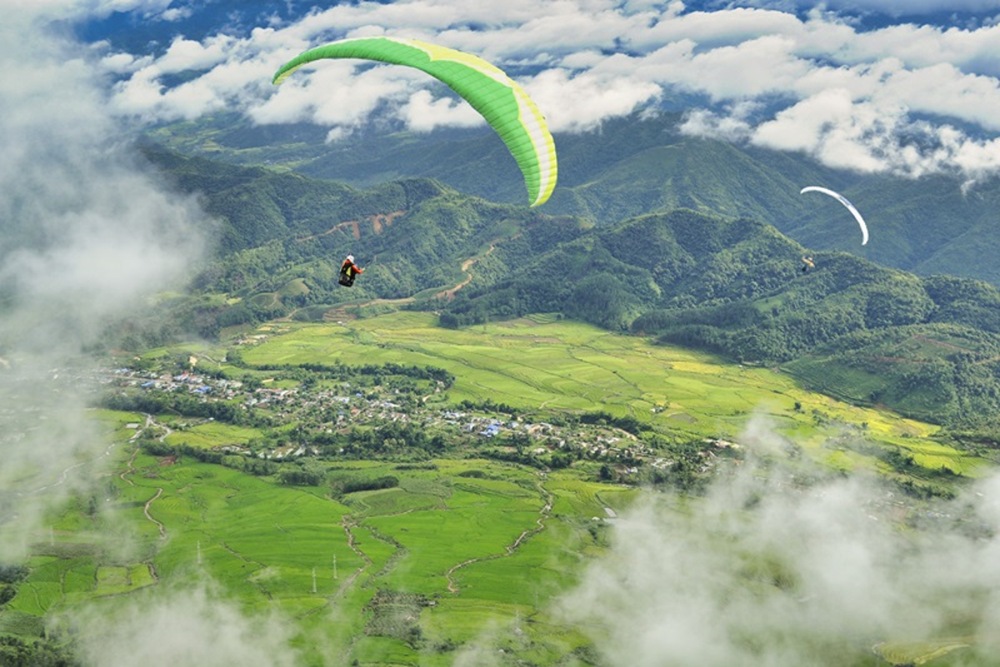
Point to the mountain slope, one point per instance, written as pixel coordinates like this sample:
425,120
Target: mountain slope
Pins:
926,346
633,166
283,237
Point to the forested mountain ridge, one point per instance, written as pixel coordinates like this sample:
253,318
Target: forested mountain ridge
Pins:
282,238
636,165
256,205
929,347
926,346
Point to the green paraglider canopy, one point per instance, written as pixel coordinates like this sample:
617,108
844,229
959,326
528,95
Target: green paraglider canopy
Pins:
501,101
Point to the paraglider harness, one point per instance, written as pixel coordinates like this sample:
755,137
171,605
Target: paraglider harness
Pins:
347,274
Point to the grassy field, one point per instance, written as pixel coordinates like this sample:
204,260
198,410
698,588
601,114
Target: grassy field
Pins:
470,553
539,362
462,553
212,434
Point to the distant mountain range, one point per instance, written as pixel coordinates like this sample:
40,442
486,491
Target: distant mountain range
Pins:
633,166
929,347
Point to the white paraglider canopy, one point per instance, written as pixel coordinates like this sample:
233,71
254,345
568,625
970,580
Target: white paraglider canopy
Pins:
842,200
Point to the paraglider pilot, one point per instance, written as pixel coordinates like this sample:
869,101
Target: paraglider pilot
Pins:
348,271
807,263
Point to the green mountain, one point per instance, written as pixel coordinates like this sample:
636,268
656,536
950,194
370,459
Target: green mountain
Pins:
633,166
929,347
283,237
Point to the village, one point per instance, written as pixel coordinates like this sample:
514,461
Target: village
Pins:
324,412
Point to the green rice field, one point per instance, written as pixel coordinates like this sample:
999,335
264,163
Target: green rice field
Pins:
540,362
461,552
478,552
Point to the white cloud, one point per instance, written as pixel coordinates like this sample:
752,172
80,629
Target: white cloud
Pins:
756,67
861,135
562,28
238,79
423,113
184,54
89,235
587,60
893,8
912,7
942,89
924,45
730,126
830,117
176,13
572,103
120,63
140,93
308,95
146,8
185,627
720,28
767,570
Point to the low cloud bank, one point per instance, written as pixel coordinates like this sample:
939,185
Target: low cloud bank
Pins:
766,570
183,627
89,235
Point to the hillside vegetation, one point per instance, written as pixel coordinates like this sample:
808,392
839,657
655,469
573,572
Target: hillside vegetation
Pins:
928,347
632,166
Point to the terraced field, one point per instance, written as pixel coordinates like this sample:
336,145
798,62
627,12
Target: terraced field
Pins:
460,558
542,362
470,545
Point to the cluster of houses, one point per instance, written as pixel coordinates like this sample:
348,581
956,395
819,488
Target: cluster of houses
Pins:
594,442
345,406
185,381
